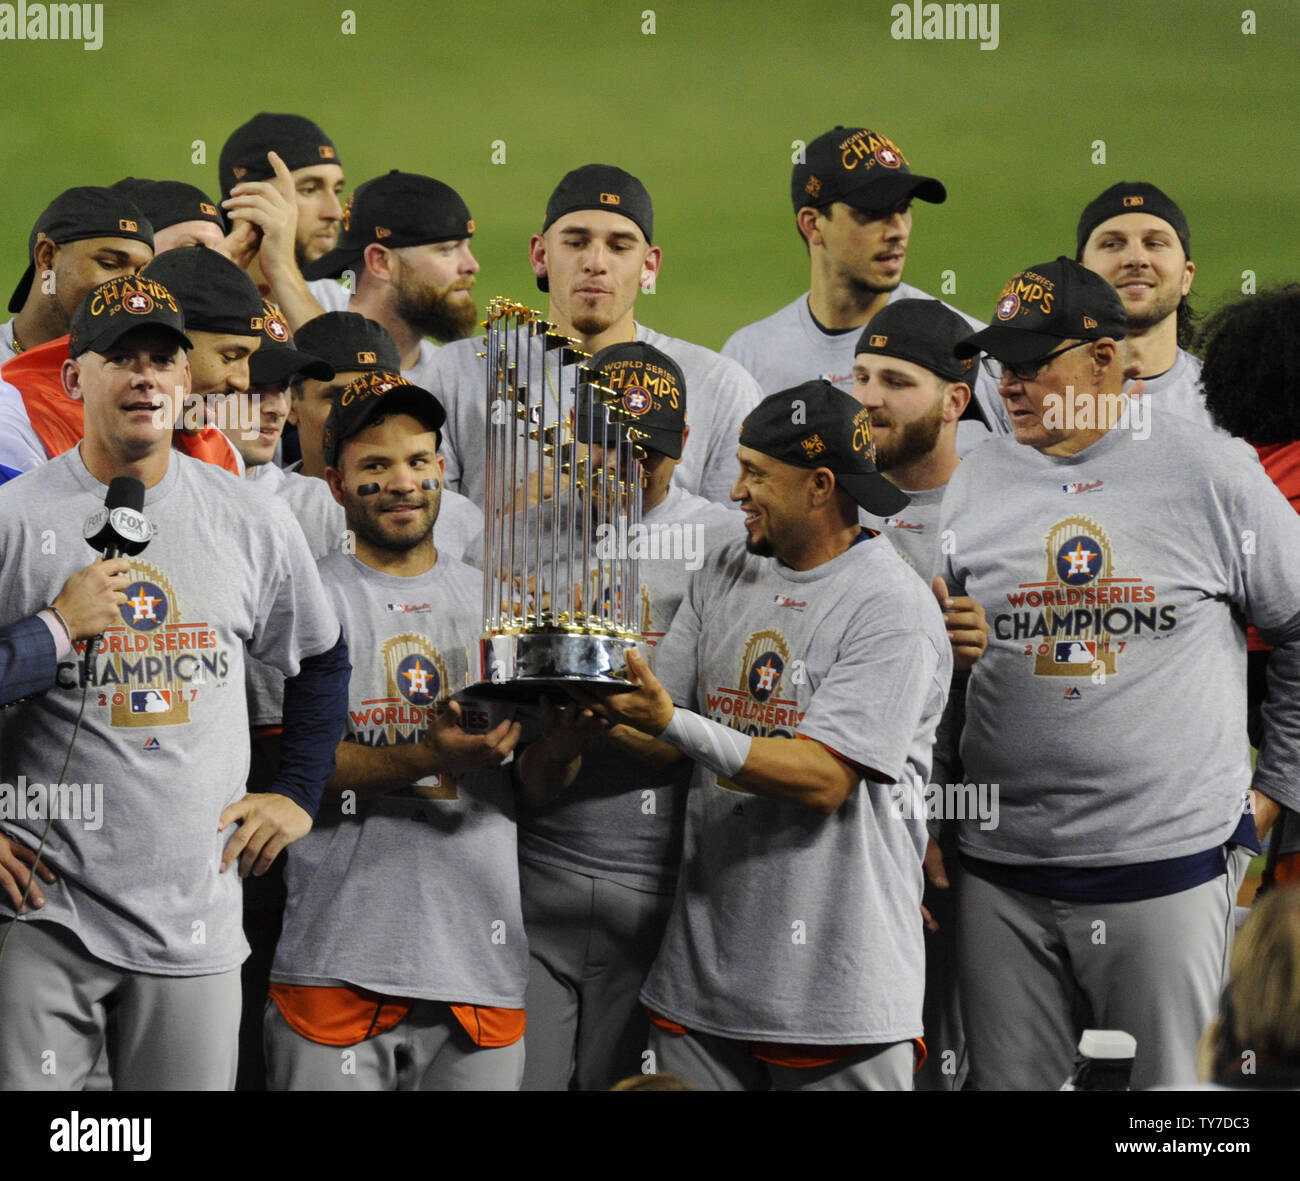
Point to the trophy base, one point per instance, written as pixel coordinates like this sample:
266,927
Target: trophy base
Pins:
528,665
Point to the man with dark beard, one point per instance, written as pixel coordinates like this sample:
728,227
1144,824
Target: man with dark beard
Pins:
906,375
402,964
405,243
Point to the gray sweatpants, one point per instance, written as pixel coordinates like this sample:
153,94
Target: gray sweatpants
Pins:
719,1064
590,946
428,1050
168,1033
1035,972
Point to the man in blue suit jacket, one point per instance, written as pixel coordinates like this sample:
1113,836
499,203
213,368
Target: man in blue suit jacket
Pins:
30,650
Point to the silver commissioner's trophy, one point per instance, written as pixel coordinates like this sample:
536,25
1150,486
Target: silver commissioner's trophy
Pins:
562,477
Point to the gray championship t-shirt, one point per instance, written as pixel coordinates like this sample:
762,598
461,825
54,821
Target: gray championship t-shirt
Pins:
164,740
914,531
1110,706
621,819
719,393
1178,391
789,347
414,893
789,925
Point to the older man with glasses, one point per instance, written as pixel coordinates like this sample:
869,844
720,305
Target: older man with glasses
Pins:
1115,566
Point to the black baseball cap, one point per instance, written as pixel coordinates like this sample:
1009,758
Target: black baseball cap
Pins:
600,186
922,331
397,209
1132,196
349,341
651,394
834,432
276,359
299,142
108,312
77,214
169,202
1045,304
860,167
360,401
216,295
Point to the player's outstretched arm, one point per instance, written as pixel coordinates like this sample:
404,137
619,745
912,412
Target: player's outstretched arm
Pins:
549,765
793,770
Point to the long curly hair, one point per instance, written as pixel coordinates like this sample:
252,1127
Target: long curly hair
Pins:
1251,366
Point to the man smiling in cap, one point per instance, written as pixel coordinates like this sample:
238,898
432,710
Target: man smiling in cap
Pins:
143,920
793,959
406,243
1112,563
223,312
84,237
1138,240
412,898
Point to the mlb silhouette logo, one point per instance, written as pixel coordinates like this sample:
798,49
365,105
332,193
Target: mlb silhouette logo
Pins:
1075,652
150,701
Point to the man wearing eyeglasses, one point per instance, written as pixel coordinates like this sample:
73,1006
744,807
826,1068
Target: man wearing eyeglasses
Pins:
1115,567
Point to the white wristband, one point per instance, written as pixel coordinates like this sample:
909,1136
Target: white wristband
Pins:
711,744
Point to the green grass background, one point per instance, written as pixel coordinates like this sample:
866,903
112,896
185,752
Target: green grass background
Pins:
704,111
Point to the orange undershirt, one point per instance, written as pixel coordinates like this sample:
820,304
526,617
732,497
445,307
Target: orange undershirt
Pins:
343,1016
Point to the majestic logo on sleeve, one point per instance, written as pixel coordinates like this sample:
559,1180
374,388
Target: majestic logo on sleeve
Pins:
153,666
1081,618
757,706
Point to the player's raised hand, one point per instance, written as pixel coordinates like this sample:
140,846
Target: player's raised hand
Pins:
452,749
268,822
647,707
272,207
16,861
968,626
241,244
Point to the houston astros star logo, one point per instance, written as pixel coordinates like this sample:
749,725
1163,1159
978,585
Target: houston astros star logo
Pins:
1008,306
145,607
765,675
1077,560
418,680
887,156
636,400
138,303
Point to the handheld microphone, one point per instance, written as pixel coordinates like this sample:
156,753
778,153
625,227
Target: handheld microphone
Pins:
119,529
